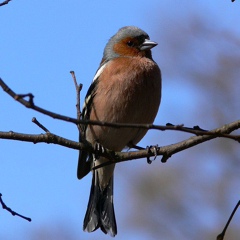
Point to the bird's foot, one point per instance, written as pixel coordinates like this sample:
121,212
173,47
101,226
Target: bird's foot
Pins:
152,150
99,149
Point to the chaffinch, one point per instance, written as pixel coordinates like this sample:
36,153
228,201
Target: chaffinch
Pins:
125,89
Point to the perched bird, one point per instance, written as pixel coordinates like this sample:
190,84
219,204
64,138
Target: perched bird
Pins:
125,89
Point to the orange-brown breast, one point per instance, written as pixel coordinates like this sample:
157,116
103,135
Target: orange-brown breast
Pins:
129,91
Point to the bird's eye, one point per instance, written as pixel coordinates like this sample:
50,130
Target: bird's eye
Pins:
130,43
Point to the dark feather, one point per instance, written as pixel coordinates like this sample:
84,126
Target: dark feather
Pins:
87,107
85,159
100,210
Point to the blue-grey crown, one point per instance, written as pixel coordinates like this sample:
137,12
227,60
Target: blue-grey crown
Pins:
129,31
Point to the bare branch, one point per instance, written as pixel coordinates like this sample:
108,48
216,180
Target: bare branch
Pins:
165,151
30,104
34,120
4,206
4,2
46,138
168,151
78,90
222,234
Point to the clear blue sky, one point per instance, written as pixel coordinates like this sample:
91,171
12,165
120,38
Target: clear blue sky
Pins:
40,42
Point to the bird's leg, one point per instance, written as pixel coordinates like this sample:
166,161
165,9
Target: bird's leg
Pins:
98,149
132,145
152,149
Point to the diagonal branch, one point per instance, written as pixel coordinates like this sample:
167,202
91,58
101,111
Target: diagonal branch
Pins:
4,206
30,104
169,150
222,234
4,2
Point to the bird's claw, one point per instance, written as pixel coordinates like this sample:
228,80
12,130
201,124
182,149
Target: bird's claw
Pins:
152,149
99,149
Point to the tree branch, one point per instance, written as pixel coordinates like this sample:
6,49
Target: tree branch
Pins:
169,150
46,138
165,151
222,234
4,2
78,88
30,104
34,120
4,206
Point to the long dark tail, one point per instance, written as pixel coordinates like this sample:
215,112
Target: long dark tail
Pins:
100,210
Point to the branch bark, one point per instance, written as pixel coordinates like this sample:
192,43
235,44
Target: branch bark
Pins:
4,2
30,104
169,150
165,151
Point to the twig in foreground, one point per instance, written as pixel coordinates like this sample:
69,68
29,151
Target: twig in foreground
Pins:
4,2
222,234
11,211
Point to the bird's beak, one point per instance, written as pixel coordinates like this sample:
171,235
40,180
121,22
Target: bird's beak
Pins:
147,44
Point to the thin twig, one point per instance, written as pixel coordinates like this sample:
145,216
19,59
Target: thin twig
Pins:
34,120
78,90
4,206
222,234
4,2
30,104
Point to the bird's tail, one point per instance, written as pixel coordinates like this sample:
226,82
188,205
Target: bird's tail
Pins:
100,210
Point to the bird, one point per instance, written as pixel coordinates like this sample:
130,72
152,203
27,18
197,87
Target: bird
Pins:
125,89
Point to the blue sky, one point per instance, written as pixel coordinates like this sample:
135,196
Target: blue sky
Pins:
40,43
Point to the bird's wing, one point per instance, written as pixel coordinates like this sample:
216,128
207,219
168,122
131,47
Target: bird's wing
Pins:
85,158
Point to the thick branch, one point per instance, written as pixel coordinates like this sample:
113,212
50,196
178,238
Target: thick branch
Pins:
46,138
165,151
168,151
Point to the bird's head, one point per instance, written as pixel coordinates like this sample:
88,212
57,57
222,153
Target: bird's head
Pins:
130,42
